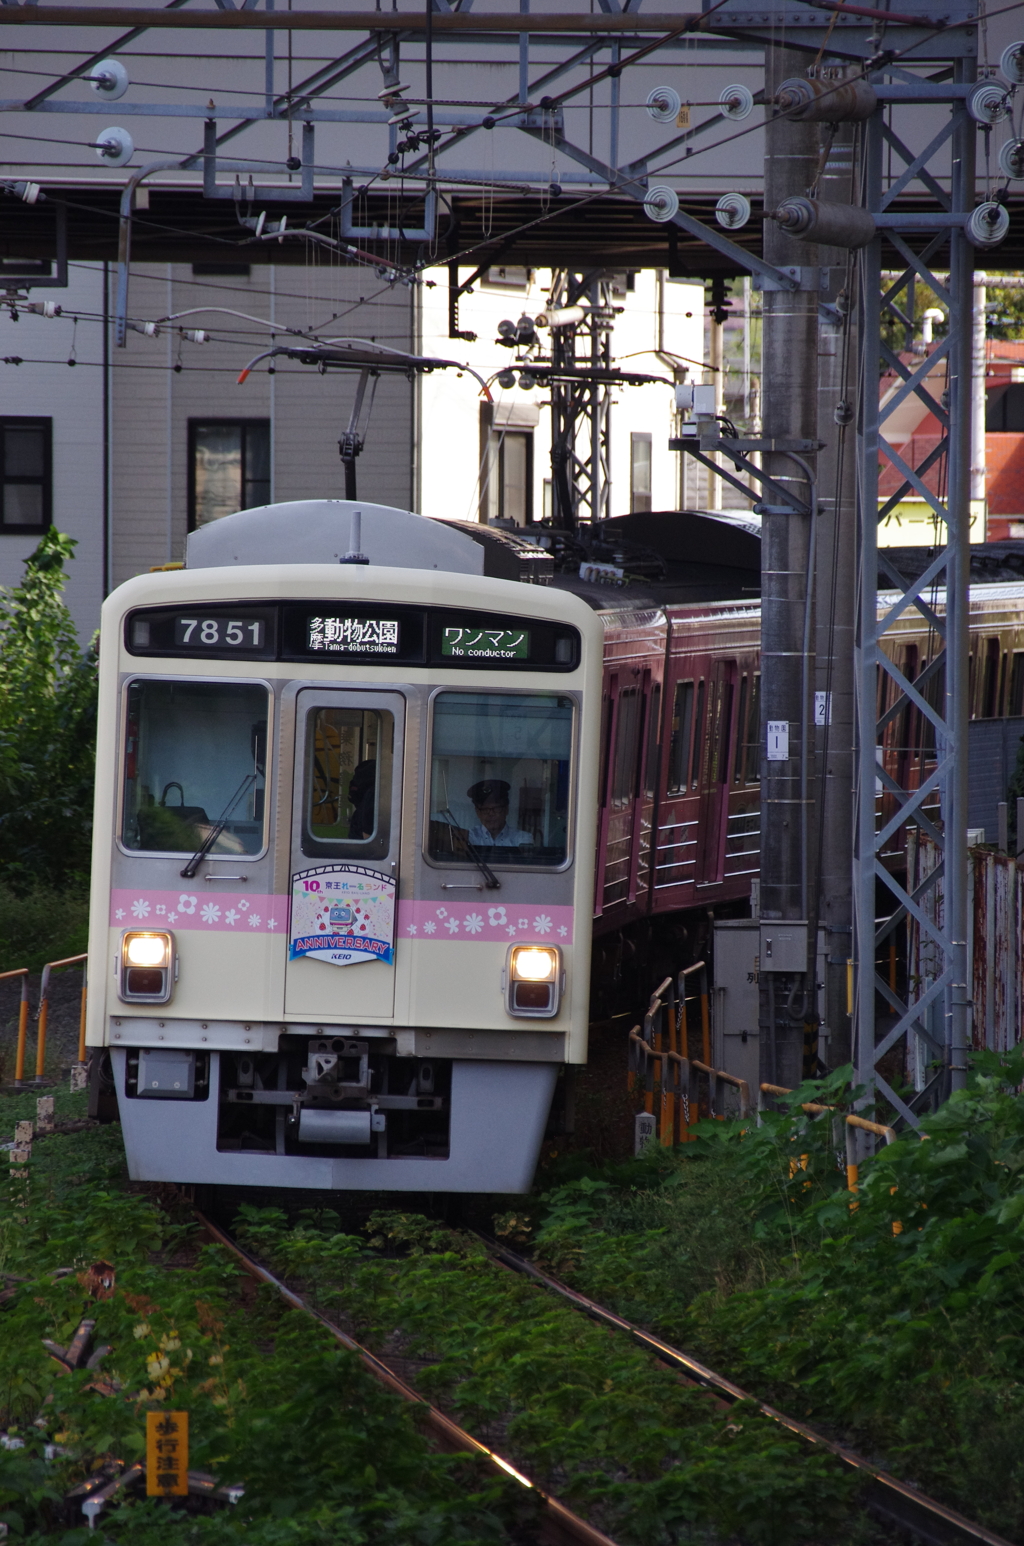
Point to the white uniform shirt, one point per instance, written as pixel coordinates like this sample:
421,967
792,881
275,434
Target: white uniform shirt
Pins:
508,837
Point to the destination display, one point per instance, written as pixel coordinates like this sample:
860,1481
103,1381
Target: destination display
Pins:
354,635
486,643
357,633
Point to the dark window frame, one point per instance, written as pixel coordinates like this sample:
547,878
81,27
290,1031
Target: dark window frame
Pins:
28,421
213,421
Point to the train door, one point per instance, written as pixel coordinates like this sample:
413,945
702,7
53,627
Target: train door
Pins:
714,792
346,827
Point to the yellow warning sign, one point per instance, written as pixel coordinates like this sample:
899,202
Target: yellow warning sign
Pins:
683,116
166,1454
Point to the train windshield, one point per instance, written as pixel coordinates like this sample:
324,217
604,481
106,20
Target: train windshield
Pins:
195,758
499,784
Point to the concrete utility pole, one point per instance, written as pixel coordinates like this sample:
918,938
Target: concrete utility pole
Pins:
835,593
789,412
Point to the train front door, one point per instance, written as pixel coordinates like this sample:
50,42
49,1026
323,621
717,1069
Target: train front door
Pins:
346,827
714,791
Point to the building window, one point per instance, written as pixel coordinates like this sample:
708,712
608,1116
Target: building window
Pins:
508,495
228,467
1004,410
639,472
25,474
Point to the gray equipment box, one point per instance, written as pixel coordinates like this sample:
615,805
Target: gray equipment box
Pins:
167,1073
736,1034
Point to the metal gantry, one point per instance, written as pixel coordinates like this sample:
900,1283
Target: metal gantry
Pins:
581,408
935,1006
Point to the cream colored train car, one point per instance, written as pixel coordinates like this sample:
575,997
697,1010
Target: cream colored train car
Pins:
344,849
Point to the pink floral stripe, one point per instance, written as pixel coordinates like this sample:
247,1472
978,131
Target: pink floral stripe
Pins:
227,912
497,922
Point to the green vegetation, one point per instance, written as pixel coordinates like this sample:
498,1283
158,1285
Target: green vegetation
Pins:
744,1247
585,1414
48,688
327,1456
890,1319
46,923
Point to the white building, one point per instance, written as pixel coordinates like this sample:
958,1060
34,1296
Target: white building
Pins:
482,461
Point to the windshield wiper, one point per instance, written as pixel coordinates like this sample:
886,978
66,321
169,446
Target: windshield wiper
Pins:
491,880
217,828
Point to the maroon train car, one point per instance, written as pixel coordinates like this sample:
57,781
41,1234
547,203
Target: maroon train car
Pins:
679,817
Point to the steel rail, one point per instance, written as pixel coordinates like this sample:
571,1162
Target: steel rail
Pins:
896,1501
558,1525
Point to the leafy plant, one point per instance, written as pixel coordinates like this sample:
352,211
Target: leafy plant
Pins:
48,688
892,1316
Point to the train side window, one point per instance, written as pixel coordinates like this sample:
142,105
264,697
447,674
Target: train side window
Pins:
627,733
698,737
653,740
349,754
724,732
195,761
499,779
990,682
741,734
606,746
1016,704
752,734
679,746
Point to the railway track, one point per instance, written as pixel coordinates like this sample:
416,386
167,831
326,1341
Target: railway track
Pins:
557,1525
887,1498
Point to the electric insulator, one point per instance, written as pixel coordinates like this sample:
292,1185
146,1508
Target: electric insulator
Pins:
988,225
987,103
1011,64
561,316
115,146
736,102
835,225
29,193
506,379
732,211
661,204
663,104
818,101
1011,159
109,79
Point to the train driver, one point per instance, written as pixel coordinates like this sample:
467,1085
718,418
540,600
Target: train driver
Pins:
362,796
492,830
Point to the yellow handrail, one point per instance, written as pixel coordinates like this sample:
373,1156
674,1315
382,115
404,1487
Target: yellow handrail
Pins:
43,1013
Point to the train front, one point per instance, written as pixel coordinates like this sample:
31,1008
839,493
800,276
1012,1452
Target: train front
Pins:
343,864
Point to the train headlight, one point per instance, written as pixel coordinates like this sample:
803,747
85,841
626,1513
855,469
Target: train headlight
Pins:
535,981
146,974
